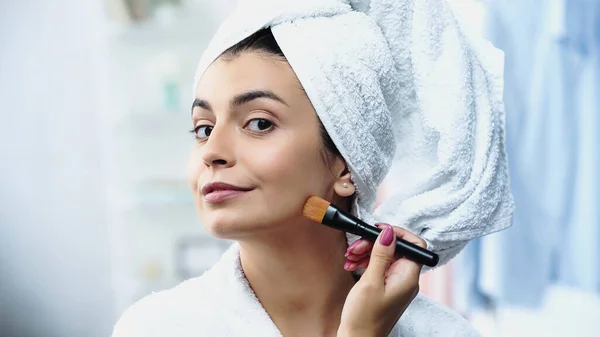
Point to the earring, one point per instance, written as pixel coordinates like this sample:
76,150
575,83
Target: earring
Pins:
345,185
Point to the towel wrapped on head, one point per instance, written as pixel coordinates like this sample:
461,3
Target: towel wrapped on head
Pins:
405,92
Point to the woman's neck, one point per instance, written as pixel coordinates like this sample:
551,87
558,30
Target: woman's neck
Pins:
298,276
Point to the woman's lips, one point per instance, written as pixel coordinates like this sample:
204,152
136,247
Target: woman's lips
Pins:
222,195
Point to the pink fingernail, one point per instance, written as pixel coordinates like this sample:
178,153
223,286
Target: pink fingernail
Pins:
347,265
354,258
387,236
354,244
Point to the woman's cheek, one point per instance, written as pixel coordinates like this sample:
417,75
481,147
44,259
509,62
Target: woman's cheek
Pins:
193,173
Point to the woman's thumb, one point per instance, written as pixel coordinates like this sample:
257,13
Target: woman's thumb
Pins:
382,254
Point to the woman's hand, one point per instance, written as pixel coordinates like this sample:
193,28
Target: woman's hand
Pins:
385,290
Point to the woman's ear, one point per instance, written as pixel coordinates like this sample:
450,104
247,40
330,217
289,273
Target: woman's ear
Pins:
343,185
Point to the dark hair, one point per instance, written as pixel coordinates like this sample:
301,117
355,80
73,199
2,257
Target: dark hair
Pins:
264,41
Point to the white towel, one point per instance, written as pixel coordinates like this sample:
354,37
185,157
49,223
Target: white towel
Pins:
400,87
221,303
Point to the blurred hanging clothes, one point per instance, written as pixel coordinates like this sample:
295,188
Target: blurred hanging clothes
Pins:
551,95
579,261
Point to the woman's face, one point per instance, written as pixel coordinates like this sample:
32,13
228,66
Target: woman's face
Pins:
255,129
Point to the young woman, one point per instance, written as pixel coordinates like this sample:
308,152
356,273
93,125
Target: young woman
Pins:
264,144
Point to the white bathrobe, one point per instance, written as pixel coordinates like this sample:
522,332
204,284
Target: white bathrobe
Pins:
221,303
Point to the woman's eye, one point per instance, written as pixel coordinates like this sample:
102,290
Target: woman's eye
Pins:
203,131
259,125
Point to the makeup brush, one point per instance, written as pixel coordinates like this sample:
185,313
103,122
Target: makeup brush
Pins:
323,212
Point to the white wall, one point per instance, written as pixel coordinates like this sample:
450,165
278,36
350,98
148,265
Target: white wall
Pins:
54,252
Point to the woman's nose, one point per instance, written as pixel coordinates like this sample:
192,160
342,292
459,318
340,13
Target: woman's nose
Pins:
218,149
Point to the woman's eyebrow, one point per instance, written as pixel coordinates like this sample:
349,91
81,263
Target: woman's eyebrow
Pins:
241,99
248,96
201,104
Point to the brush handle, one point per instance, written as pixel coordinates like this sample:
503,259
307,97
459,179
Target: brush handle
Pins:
405,248
338,219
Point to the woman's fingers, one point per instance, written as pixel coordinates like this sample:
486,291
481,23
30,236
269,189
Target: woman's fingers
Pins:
360,247
354,258
405,265
356,253
382,294
364,263
382,256
359,252
403,274
353,265
385,290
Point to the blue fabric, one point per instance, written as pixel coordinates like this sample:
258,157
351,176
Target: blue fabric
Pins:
552,90
579,261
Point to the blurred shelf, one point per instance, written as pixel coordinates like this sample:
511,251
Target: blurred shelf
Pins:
155,119
151,206
152,150
160,193
177,26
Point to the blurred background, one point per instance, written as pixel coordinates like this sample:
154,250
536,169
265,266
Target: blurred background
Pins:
95,211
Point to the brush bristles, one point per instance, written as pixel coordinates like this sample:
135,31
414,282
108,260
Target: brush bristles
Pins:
315,208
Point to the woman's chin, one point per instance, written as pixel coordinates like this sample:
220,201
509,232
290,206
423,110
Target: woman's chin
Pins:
223,231
233,223
232,228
